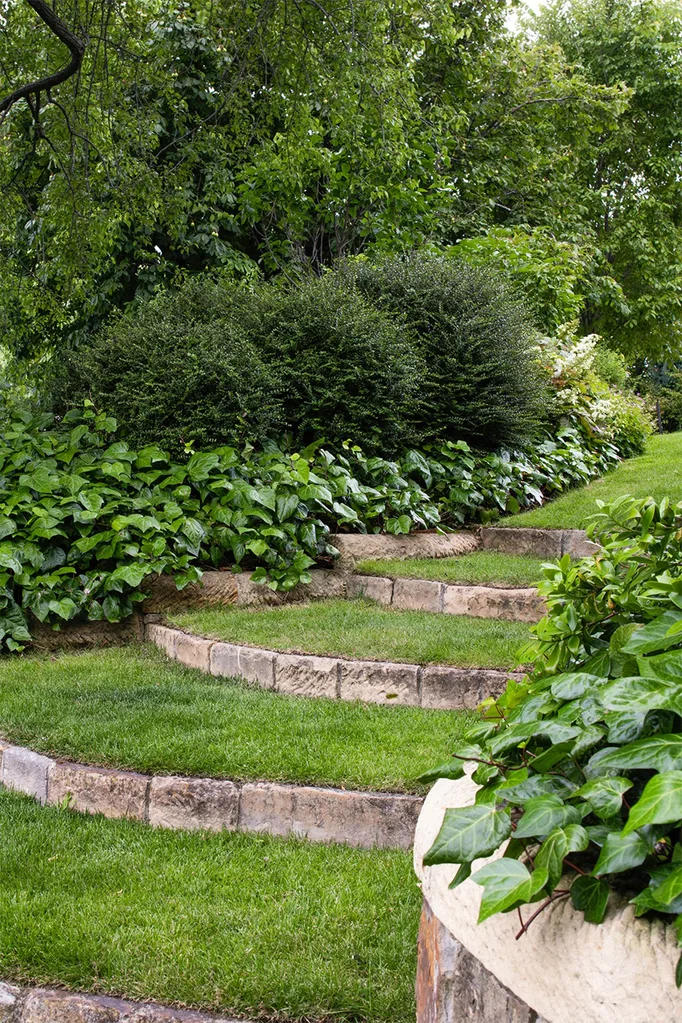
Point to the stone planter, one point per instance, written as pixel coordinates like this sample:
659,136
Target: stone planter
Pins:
563,970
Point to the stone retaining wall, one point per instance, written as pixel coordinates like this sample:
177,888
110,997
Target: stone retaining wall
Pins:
362,819
542,543
45,1005
433,686
354,547
511,604
220,589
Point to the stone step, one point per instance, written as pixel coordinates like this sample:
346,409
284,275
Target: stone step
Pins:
543,543
365,820
513,604
438,687
46,1005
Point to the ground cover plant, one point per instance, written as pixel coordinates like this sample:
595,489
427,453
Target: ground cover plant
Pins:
235,923
580,765
657,472
135,709
361,629
479,568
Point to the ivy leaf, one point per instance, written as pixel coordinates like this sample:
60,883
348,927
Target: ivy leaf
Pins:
591,895
451,769
605,795
505,883
655,753
543,814
468,833
660,802
621,852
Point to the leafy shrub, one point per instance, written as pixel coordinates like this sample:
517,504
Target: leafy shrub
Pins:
84,520
482,380
580,765
215,363
583,398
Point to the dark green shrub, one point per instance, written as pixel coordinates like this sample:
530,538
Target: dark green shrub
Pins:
178,369
482,382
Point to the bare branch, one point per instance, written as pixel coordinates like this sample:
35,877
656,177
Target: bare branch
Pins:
31,91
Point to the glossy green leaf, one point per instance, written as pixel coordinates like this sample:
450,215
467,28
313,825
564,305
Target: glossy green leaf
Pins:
468,833
659,803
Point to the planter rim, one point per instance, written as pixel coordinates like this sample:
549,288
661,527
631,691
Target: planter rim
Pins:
621,971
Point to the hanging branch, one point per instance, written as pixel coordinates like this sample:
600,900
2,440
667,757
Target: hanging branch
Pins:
31,91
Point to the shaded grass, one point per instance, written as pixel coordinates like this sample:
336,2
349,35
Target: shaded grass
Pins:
361,629
133,708
237,923
657,473
480,567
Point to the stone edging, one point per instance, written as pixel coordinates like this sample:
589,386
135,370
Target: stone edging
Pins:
354,547
47,1005
543,543
563,969
361,819
437,687
517,604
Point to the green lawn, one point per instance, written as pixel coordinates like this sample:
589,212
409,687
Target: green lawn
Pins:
236,923
480,568
135,709
657,474
358,628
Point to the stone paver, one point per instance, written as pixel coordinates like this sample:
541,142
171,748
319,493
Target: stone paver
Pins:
98,790
26,771
224,660
193,651
193,803
306,675
417,595
380,682
257,666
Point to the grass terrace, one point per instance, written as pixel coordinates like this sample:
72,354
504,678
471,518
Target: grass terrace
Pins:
240,924
135,709
360,629
482,568
657,473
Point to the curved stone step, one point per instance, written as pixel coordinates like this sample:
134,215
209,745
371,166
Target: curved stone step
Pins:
437,687
365,820
513,604
354,547
543,543
47,1005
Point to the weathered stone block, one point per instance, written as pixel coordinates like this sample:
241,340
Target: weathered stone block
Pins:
257,666
193,651
193,803
545,543
456,599
453,986
513,605
40,1005
163,637
373,587
355,547
213,590
9,996
576,544
303,675
360,819
379,682
98,790
445,688
224,660
26,771
417,595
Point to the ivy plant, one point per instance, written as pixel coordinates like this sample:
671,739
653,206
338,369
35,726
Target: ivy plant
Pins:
579,766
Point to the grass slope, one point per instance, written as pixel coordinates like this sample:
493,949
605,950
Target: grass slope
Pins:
135,709
238,923
479,568
657,473
358,628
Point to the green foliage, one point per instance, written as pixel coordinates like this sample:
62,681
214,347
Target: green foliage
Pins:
212,363
581,763
481,381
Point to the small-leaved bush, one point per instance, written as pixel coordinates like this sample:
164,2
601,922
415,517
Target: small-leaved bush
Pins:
579,766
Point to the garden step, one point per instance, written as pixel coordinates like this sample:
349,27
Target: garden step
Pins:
46,1005
550,543
441,687
354,547
364,820
519,604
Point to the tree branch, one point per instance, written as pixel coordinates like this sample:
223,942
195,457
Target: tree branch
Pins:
32,90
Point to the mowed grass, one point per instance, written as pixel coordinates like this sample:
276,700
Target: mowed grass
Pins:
236,923
134,709
479,568
361,629
657,473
